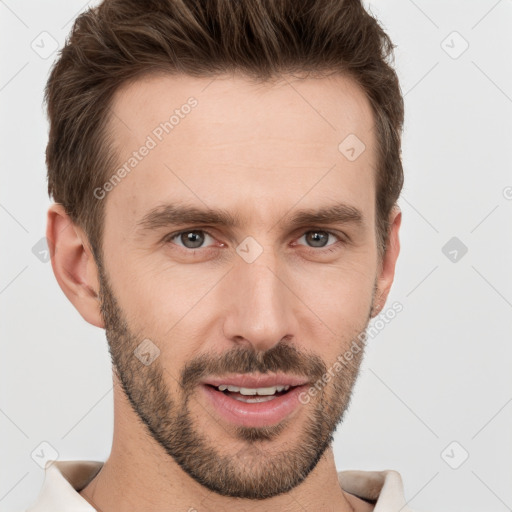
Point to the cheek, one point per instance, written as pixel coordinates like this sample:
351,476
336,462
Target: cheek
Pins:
343,289
336,305
154,290
165,302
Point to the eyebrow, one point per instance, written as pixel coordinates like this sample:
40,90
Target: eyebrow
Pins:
176,214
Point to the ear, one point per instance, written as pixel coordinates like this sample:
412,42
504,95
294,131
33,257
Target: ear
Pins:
73,264
388,262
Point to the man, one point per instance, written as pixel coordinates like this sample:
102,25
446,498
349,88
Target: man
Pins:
225,177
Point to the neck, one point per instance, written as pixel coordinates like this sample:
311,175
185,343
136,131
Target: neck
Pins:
140,475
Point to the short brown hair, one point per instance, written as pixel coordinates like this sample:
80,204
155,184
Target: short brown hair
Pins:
121,40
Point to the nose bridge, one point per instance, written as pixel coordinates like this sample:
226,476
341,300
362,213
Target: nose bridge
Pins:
261,306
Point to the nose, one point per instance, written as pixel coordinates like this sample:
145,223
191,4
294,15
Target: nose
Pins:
262,309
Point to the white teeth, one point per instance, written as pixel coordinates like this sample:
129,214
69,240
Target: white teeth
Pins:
253,391
254,400
248,391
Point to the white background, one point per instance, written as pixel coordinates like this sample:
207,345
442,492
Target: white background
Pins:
439,372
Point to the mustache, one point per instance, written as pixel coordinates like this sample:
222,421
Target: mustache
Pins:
282,358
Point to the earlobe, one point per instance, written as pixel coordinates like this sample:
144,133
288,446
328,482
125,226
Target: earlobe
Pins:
73,264
388,263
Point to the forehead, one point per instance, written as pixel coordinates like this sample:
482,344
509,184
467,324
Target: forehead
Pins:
220,141
233,107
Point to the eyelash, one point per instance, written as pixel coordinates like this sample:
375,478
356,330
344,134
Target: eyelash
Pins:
322,250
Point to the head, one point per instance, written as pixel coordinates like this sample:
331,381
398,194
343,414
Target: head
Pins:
225,178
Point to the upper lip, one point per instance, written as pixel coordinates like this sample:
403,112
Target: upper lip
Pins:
256,381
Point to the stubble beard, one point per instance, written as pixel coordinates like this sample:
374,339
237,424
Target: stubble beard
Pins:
259,469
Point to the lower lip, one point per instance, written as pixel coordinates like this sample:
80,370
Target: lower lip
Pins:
259,414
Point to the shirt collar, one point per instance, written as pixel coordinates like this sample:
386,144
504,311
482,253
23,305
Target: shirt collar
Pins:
62,481
382,488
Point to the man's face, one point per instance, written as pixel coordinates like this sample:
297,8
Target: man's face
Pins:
261,297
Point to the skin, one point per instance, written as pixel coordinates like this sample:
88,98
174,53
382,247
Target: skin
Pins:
262,152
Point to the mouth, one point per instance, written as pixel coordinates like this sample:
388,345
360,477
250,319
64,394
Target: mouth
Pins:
254,401
252,395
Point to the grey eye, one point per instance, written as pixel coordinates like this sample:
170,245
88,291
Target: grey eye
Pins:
317,238
191,239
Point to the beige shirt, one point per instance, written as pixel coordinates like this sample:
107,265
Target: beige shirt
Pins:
63,480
